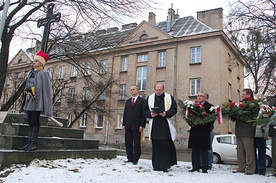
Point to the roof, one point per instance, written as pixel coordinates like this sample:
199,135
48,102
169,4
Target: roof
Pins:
92,42
185,26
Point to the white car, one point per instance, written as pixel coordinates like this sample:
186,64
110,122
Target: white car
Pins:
225,149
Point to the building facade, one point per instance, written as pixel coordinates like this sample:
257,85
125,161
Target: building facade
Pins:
187,54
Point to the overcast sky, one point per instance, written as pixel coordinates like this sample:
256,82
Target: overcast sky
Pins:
183,7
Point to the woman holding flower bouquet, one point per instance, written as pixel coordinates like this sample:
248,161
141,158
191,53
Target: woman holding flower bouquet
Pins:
199,139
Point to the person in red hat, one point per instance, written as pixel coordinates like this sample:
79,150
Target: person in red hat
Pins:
37,98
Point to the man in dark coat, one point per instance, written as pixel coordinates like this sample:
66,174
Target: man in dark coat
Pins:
133,124
162,133
199,139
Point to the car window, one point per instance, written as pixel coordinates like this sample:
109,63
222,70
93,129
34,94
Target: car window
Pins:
268,142
224,140
235,140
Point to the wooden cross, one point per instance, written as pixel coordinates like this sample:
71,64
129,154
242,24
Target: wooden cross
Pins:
46,22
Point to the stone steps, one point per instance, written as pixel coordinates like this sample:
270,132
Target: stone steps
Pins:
54,142
9,157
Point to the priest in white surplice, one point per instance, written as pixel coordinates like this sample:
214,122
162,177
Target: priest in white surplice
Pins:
162,133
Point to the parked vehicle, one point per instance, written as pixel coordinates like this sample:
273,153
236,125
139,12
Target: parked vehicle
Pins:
225,149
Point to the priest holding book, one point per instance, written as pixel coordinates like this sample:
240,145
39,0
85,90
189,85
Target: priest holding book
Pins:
159,108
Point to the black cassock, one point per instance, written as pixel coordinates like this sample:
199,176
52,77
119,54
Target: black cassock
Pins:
163,149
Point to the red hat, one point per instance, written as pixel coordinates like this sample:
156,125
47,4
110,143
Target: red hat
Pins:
42,57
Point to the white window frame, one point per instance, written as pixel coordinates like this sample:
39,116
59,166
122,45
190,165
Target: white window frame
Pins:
61,72
230,91
141,80
51,71
97,118
122,92
120,121
9,79
195,55
102,96
104,67
69,118
71,93
83,120
143,57
195,86
86,93
59,96
88,69
162,58
124,63
74,71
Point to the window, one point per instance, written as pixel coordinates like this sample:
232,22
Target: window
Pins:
238,70
162,59
88,69
120,121
86,93
99,121
71,94
74,71
83,120
143,58
61,72
6,97
229,91
104,66
196,55
69,118
102,96
239,95
13,108
9,79
195,85
59,96
229,62
18,75
144,37
51,71
225,140
141,78
122,91
124,63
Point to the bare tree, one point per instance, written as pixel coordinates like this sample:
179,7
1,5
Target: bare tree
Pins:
77,16
252,29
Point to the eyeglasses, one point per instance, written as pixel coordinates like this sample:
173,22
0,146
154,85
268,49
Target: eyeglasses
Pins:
200,96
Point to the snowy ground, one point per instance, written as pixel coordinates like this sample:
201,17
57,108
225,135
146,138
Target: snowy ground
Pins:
116,170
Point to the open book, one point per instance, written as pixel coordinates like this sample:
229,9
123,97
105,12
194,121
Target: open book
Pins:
157,110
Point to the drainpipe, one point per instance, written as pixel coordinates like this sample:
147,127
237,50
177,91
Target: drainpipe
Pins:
109,104
175,72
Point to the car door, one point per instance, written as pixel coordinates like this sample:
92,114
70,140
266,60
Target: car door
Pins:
228,148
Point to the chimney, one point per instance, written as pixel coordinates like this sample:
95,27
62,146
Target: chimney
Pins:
213,18
170,18
112,29
128,26
152,19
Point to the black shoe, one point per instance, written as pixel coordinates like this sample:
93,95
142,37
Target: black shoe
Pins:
236,171
135,162
193,170
204,171
128,161
156,169
247,173
165,170
24,147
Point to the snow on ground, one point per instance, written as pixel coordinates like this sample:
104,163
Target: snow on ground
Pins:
116,170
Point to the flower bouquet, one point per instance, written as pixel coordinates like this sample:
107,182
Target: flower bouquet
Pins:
264,116
245,110
194,113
